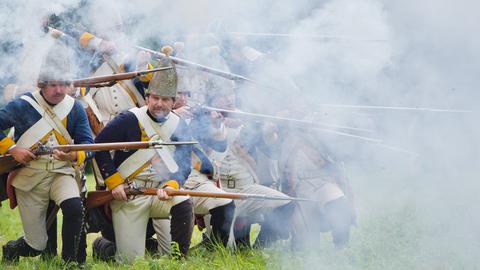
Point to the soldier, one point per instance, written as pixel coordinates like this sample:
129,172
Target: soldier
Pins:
308,171
207,129
97,50
51,117
164,168
236,169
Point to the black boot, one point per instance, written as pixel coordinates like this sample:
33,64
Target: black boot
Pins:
13,249
221,222
73,231
103,249
241,231
181,227
275,226
339,215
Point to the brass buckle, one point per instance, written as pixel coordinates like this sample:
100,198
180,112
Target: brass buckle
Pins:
230,182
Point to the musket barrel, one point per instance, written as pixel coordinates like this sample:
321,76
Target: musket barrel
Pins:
180,61
192,193
277,119
118,146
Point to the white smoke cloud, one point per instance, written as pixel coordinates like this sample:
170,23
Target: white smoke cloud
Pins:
405,53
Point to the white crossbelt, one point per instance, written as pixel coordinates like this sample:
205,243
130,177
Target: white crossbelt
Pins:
155,132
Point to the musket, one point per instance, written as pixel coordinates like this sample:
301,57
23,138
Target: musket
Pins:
398,108
278,119
199,67
106,80
309,124
109,80
304,36
8,163
101,197
182,62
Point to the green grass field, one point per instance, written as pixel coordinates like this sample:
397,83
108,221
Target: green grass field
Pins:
391,234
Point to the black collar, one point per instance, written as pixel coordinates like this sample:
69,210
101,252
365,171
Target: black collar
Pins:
155,119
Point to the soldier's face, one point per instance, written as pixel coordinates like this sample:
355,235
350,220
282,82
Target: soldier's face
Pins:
159,106
226,102
54,93
181,99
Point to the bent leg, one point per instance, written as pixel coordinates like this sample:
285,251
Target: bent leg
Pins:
130,222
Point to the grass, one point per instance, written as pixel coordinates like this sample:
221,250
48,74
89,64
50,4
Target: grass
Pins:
393,236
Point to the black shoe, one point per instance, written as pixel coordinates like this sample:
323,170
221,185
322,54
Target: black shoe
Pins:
151,246
16,248
10,253
103,249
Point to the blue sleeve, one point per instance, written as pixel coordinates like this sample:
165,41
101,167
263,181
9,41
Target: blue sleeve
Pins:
182,154
201,128
7,117
117,130
82,134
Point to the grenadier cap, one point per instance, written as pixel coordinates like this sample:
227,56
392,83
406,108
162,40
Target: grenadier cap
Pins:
164,83
55,66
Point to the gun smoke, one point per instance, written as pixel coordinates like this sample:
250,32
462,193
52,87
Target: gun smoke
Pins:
367,52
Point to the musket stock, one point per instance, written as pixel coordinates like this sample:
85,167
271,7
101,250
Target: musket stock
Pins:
106,80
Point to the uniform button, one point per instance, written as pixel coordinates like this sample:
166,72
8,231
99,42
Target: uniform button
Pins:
114,97
114,90
116,105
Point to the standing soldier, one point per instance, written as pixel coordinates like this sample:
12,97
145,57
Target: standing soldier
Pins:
165,168
51,117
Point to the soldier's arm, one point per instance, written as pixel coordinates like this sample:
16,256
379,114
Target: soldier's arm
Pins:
182,155
208,134
7,120
82,134
116,130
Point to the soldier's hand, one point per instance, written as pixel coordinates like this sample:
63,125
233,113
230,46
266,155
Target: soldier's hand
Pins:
217,119
22,155
62,156
184,112
119,193
162,194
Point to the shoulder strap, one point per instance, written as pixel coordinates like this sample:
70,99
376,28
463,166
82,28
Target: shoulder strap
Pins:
126,85
56,121
45,124
162,132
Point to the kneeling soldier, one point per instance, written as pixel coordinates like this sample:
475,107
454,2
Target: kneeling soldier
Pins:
166,168
48,116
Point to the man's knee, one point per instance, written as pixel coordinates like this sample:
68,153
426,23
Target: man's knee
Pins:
72,208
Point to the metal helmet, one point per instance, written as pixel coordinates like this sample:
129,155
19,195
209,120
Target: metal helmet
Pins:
56,65
164,83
